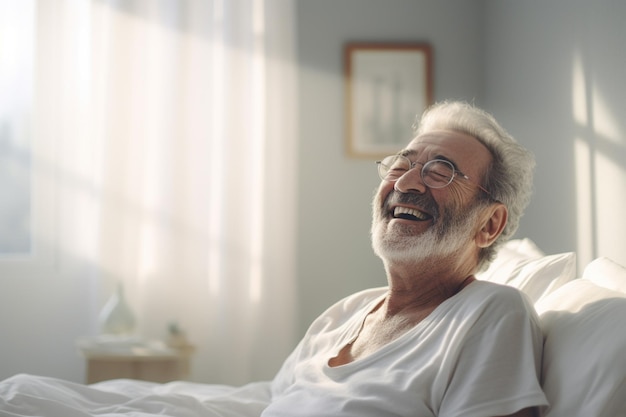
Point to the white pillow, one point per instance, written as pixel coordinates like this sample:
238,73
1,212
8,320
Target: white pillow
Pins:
520,264
524,247
606,273
584,358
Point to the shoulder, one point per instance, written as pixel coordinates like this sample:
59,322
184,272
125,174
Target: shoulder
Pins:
347,307
487,303
497,295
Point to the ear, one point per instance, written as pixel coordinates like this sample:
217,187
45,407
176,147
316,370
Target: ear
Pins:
492,224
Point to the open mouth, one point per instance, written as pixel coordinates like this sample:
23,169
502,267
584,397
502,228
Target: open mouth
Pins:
410,214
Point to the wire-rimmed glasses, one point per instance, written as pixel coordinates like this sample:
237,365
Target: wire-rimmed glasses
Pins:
436,173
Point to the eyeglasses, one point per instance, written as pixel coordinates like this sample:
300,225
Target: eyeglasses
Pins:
436,173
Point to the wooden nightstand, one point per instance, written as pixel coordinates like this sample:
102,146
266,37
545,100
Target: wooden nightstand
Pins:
148,363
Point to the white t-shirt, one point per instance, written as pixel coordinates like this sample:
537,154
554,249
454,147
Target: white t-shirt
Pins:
477,354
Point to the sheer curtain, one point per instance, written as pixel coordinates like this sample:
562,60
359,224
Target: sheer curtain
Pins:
171,129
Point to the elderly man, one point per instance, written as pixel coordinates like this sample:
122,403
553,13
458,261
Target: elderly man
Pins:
435,341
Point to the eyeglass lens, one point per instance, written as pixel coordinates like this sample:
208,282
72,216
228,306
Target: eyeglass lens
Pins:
435,174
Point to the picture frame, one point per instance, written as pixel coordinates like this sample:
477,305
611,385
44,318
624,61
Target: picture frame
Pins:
387,86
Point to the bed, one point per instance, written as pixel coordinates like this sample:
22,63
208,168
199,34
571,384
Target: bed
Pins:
30,395
584,367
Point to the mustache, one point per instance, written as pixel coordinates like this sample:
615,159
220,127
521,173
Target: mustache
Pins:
423,201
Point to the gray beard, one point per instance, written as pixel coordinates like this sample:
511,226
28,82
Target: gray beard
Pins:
451,231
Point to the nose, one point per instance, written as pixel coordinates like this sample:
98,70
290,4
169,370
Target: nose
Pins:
411,181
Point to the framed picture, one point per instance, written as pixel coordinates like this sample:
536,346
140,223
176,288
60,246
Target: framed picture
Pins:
387,87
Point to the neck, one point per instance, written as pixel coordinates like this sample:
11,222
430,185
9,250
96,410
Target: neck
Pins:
424,286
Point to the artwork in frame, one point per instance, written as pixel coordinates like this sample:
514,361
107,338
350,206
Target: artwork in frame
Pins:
387,87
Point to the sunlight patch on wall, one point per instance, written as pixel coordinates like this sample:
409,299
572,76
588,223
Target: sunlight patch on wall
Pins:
610,202
584,201
582,153
579,96
610,179
605,125
600,176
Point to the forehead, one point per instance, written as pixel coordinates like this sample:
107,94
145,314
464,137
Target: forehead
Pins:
454,145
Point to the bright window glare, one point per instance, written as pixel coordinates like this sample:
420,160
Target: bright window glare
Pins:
16,108
218,56
258,122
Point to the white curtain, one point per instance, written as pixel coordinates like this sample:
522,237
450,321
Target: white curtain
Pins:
169,129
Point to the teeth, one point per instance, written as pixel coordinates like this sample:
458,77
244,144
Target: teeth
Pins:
411,212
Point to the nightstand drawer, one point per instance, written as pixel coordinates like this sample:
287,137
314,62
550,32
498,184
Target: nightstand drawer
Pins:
147,368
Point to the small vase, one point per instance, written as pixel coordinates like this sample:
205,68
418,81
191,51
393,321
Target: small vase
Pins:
116,316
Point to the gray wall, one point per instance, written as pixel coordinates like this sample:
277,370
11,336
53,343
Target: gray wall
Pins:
518,59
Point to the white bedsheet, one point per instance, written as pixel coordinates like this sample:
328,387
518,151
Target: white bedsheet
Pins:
29,395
